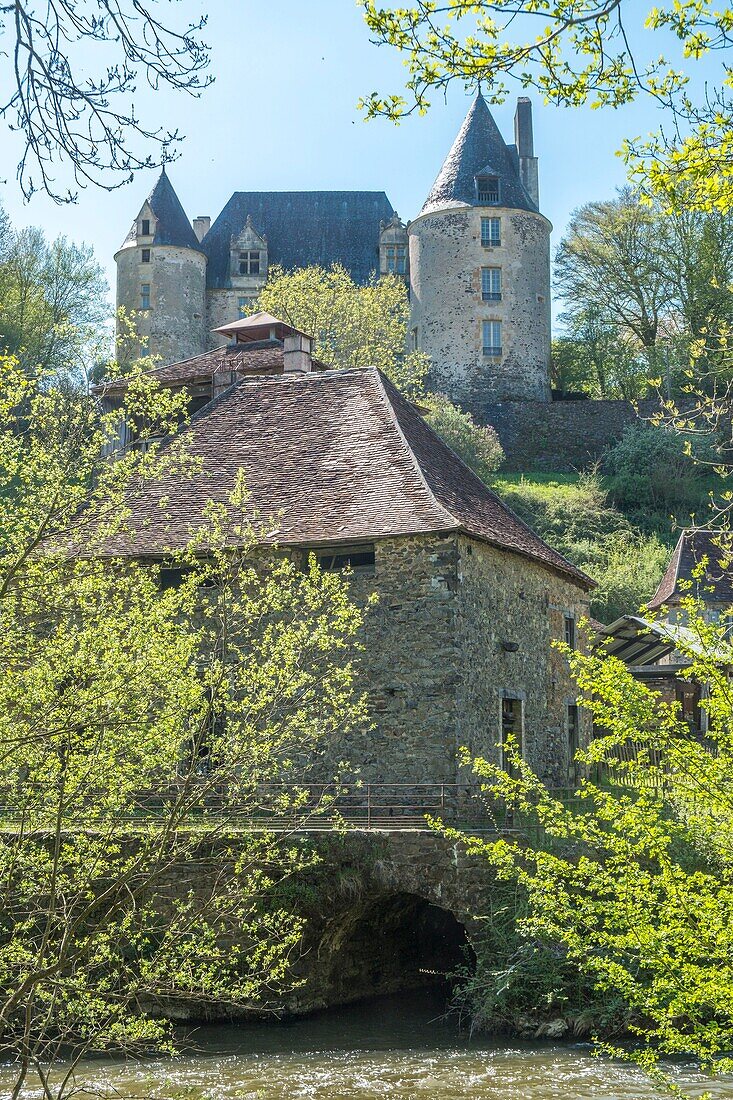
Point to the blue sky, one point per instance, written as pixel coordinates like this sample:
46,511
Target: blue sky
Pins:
282,115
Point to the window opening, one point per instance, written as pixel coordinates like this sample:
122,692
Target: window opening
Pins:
512,723
488,189
249,263
146,255
145,296
396,255
491,332
491,284
491,232
569,624
145,227
573,731
360,559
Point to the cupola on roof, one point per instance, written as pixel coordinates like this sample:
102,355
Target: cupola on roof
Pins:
172,226
479,150
258,326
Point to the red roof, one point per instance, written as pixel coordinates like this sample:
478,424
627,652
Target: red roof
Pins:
715,586
337,456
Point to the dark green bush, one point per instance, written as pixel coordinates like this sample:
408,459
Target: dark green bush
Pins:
656,468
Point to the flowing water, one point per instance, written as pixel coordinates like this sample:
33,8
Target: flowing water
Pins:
398,1048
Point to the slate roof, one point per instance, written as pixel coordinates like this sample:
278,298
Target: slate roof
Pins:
478,150
302,228
259,357
172,225
337,456
717,584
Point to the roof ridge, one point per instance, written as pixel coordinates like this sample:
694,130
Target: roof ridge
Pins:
406,446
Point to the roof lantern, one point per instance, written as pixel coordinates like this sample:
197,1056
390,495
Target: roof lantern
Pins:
297,345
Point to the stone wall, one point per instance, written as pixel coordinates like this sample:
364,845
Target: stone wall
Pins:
506,601
434,665
447,310
175,322
559,435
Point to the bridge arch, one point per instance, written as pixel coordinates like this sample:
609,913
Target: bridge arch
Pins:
394,941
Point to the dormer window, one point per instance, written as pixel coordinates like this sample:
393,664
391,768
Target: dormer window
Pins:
249,263
488,190
396,257
145,227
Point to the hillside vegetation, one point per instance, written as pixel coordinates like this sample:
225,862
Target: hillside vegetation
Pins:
574,513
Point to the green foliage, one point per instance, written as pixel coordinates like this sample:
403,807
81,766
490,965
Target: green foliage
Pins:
654,467
352,325
140,725
633,879
479,447
576,518
589,53
53,307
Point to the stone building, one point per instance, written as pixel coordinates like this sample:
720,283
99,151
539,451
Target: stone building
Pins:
476,257
700,567
480,267
458,647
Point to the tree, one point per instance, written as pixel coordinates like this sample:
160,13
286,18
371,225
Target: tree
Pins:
352,325
478,446
633,877
587,53
81,118
148,714
366,326
53,304
593,357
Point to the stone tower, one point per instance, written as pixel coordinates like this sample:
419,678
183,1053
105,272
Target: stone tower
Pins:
161,278
480,268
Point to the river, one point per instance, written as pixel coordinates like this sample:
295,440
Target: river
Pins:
397,1047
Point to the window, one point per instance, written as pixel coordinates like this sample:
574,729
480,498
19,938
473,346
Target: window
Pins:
396,258
249,263
491,331
569,624
145,296
360,559
415,339
572,725
491,284
243,303
145,227
488,189
146,256
512,724
491,232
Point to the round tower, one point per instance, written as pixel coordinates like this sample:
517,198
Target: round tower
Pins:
161,280
480,268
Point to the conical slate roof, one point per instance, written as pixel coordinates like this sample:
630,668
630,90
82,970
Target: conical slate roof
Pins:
171,223
479,150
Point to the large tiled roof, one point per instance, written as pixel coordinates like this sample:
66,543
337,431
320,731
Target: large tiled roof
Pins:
260,357
302,228
171,222
716,586
337,456
479,150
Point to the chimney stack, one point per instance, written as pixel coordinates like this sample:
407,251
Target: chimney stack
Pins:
297,353
524,141
201,227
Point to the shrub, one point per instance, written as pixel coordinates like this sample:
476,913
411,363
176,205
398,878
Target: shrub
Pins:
478,447
655,468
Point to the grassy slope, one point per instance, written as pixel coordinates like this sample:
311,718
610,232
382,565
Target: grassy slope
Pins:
626,554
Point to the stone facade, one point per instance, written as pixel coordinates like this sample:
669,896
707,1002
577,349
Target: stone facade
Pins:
171,318
439,659
447,257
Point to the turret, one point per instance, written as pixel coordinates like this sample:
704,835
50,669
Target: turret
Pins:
161,278
480,268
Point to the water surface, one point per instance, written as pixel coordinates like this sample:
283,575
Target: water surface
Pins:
397,1047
